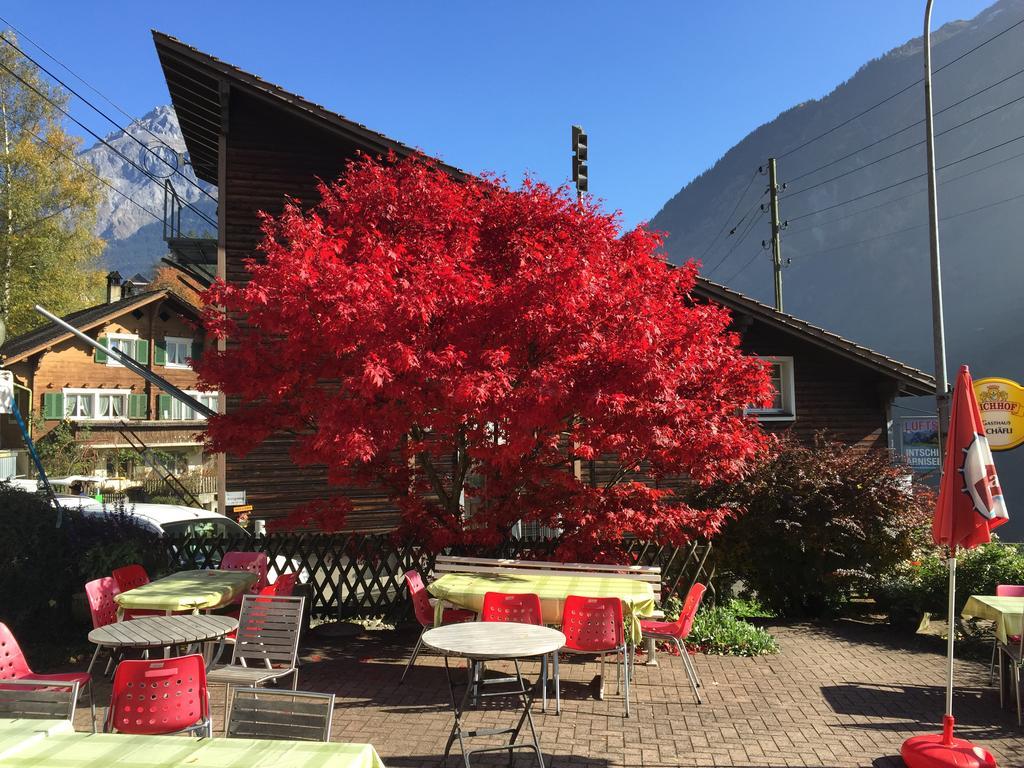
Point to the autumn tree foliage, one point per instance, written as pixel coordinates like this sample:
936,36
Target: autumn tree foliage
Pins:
467,346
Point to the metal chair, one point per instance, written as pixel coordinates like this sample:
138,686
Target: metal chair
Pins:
160,696
256,562
522,609
14,666
425,613
261,713
677,631
593,625
266,645
53,700
1002,590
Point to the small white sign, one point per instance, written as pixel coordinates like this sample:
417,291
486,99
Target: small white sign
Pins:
6,392
234,498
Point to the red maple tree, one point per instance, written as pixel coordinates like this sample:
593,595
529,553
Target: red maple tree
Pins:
467,346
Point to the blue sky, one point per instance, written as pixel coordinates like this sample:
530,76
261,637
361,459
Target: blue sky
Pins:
663,89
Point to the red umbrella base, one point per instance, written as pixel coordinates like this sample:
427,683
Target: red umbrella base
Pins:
944,751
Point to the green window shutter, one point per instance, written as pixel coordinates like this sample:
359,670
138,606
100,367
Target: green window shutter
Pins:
163,407
137,406
197,349
53,405
142,351
160,352
100,356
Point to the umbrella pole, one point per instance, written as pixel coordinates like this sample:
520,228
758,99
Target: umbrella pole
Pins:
947,721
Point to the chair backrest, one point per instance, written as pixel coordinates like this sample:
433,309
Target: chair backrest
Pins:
101,593
283,586
257,562
501,606
689,610
13,663
130,577
50,700
268,631
158,696
420,598
592,623
1010,590
261,713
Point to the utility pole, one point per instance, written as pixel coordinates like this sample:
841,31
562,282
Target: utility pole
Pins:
579,160
773,191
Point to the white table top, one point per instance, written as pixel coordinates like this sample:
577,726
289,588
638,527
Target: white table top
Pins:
485,640
156,631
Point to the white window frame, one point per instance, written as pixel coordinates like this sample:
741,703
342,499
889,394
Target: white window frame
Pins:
168,340
788,391
202,397
95,394
120,337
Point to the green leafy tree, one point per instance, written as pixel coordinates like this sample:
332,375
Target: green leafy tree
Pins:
48,199
62,454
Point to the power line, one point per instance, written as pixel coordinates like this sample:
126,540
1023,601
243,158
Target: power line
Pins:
174,168
903,181
906,148
738,243
103,141
897,93
742,269
725,222
904,129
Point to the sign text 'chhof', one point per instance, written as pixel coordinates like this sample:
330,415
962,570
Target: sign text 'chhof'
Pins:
1001,402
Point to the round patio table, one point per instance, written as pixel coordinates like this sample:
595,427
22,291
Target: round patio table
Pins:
161,632
492,641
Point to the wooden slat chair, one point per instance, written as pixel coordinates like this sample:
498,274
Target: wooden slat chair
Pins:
52,700
260,713
266,645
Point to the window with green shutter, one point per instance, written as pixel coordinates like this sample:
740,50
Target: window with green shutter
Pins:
53,405
137,406
142,351
99,355
160,352
163,407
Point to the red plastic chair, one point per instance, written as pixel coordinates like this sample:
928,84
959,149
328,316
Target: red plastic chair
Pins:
14,666
677,631
100,594
256,562
160,696
284,586
1004,590
129,577
522,609
425,613
594,625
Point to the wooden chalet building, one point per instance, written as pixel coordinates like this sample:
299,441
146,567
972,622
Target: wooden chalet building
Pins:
258,143
61,378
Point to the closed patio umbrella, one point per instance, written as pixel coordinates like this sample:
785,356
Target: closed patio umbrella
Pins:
970,506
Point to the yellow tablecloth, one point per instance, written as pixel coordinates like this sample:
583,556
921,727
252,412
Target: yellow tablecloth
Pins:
467,590
116,750
188,591
1006,612
20,733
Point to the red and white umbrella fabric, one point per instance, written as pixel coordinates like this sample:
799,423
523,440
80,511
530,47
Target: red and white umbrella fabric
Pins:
970,506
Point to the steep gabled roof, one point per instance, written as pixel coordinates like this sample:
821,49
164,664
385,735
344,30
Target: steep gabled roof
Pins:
911,380
196,83
38,339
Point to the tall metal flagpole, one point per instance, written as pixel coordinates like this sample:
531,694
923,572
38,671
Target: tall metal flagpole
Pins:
938,327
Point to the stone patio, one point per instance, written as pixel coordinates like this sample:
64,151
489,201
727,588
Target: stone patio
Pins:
838,695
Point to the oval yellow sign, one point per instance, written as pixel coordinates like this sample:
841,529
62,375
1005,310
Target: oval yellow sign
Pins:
1002,410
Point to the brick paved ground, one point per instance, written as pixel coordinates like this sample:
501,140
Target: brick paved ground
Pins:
836,696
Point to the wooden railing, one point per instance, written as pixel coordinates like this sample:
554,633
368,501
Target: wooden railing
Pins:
354,575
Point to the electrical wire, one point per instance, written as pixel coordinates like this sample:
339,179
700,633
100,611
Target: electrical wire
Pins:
737,244
904,129
103,141
900,92
725,222
121,129
742,269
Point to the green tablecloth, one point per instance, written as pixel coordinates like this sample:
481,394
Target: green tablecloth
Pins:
1006,612
20,733
188,591
467,590
115,750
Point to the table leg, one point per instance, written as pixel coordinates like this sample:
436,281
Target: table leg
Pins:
652,653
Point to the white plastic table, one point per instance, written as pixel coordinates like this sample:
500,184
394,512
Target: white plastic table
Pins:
492,641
